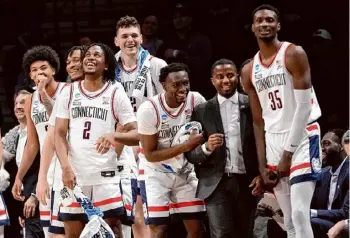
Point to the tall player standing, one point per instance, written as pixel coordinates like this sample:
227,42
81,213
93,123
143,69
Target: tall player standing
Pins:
285,110
138,72
48,158
87,110
167,191
40,64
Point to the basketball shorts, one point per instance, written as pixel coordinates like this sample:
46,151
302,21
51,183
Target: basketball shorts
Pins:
306,161
44,211
129,190
56,226
4,216
168,194
107,197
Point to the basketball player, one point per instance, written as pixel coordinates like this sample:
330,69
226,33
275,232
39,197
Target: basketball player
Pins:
284,108
40,64
89,109
138,72
43,189
165,191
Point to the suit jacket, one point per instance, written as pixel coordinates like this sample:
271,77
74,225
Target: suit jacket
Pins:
340,205
210,169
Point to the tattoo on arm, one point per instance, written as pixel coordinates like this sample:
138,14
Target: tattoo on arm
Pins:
47,102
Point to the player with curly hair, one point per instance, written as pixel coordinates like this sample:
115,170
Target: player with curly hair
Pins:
86,111
40,64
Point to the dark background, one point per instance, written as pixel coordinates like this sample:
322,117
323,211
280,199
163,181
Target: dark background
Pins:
60,24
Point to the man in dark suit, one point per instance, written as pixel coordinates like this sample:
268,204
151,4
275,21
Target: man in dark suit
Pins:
226,163
330,202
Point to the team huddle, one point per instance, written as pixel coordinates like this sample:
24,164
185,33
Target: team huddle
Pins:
119,132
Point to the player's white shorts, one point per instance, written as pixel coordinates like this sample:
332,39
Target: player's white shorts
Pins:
4,217
107,197
306,161
129,189
44,211
165,194
56,226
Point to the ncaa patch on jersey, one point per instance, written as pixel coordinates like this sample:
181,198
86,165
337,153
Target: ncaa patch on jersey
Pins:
164,116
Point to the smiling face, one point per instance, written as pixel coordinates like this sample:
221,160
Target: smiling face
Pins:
128,39
41,69
74,66
19,106
225,79
177,86
94,61
265,25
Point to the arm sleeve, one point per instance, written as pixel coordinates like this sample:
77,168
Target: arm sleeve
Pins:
147,119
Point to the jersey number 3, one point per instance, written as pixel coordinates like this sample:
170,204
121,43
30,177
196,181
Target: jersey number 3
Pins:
276,101
86,131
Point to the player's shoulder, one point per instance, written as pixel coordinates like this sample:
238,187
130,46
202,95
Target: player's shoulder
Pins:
157,62
293,50
198,98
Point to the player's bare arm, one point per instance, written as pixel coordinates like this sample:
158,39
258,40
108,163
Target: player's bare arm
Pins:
298,65
45,98
258,125
30,151
127,135
42,188
153,154
61,146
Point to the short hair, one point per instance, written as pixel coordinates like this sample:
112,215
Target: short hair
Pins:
267,7
110,60
127,21
338,133
82,49
222,62
173,67
21,92
37,53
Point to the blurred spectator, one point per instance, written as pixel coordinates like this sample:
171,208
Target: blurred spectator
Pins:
330,203
149,30
241,87
85,40
14,142
190,47
342,227
345,142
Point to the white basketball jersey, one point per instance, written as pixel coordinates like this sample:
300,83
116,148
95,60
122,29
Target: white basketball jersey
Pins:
168,124
39,115
274,86
40,119
127,79
90,118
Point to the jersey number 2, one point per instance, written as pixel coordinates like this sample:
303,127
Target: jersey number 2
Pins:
276,101
86,131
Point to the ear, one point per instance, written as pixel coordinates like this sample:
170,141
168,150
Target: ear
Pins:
252,28
163,84
53,71
141,37
278,27
116,41
212,81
